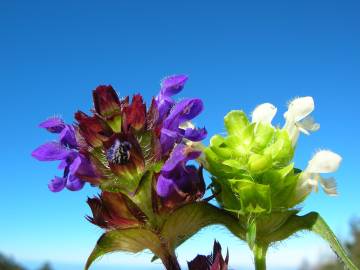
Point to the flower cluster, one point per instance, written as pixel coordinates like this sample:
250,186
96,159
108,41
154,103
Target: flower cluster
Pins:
122,141
252,166
150,197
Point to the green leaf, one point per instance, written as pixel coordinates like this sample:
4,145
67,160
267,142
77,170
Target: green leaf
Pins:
189,219
268,223
129,240
312,222
321,228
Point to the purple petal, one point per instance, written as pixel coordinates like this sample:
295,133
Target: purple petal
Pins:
81,166
169,86
173,84
74,183
183,111
179,156
62,164
168,138
50,151
195,135
54,125
164,105
74,166
67,137
164,186
57,184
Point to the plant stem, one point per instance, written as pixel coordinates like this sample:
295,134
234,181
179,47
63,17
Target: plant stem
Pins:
259,252
170,262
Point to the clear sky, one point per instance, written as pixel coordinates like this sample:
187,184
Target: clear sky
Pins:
237,54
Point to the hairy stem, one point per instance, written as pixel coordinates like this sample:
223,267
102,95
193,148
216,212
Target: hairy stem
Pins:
259,252
170,262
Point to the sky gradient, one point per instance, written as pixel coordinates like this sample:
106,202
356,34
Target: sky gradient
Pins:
237,55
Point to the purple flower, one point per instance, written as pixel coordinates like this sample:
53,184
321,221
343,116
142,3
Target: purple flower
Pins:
172,133
179,183
72,162
170,86
215,261
172,115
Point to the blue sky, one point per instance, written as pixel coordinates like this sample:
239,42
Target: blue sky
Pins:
237,54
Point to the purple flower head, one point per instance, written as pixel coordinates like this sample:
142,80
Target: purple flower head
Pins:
179,183
215,261
115,146
182,112
65,149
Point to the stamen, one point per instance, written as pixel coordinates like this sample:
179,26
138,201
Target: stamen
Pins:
119,152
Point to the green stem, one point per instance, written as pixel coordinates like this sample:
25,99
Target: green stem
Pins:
260,256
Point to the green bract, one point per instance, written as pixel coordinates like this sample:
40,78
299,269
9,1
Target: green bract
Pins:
252,166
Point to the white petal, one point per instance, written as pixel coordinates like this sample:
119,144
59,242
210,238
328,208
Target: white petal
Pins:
187,124
264,113
329,186
308,125
299,108
324,162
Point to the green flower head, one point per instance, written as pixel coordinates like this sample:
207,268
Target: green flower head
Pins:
252,166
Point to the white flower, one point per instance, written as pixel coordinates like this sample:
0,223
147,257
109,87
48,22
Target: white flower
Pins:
298,118
323,161
264,113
